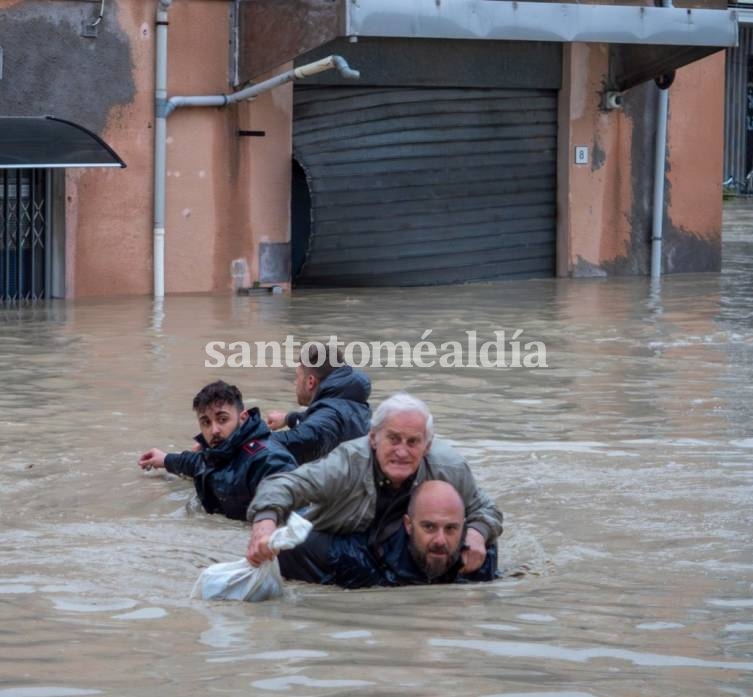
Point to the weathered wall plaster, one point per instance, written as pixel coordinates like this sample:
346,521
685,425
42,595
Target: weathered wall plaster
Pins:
605,207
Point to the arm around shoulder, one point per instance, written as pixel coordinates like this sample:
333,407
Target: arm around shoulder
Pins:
481,513
314,482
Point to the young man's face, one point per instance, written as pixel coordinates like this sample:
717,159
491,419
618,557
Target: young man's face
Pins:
305,386
218,421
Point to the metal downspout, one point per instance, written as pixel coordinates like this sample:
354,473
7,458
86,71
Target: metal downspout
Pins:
660,155
328,63
160,146
163,107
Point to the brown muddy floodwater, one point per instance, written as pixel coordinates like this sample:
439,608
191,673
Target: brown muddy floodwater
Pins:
624,471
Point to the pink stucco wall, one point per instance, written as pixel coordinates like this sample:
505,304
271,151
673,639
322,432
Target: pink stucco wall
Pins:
224,193
592,215
269,163
604,206
109,212
227,194
695,144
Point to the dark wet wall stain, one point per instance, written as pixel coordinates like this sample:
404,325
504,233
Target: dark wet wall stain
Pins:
682,250
598,157
51,69
640,108
686,252
585,269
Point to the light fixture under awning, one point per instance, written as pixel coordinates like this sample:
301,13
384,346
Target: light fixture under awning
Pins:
41,142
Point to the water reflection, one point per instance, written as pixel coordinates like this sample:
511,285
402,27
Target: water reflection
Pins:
623,470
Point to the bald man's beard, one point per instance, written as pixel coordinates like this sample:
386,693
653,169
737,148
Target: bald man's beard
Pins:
434,567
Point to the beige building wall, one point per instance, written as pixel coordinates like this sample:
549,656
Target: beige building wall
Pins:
269,161
227,194
109,212
592,218
224,193
605,206
695,146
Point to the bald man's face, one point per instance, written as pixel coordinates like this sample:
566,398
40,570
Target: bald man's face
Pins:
436,532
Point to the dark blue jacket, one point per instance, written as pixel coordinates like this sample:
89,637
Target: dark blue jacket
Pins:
226,477
339,411
349,561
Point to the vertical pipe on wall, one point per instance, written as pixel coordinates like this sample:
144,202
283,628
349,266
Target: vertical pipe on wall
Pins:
660,155
659,160
160,146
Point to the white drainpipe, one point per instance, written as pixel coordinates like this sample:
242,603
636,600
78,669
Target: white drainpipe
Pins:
160,146
660,155
164,107
307,70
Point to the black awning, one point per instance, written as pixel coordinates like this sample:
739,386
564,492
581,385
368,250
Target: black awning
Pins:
633,64
28,142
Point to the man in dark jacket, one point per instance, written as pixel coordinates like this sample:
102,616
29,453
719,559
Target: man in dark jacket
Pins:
236,452
337,399
425,549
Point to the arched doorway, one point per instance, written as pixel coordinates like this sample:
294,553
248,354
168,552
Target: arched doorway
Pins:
300,220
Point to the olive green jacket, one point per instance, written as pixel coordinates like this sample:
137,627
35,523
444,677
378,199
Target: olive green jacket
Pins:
342,495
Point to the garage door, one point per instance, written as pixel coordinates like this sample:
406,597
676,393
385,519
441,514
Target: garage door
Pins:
413,186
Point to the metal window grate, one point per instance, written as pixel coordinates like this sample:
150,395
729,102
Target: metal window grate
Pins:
23,234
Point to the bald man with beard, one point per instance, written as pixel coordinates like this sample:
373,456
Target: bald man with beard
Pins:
434,526
426,549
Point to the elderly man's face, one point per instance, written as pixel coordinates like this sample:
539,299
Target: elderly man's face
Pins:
400,443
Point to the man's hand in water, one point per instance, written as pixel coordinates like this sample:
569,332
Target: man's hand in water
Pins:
276,420
258,547
474,551
151,459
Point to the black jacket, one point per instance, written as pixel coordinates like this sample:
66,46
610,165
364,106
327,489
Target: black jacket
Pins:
339,412
226,477
349,561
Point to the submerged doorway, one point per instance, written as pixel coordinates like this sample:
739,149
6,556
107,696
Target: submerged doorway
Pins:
25,244
300,220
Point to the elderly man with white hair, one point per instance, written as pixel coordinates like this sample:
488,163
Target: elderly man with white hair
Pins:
364,485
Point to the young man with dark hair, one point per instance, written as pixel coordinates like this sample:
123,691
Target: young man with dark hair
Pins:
236,452
337,399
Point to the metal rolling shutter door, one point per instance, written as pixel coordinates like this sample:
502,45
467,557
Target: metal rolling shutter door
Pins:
420,186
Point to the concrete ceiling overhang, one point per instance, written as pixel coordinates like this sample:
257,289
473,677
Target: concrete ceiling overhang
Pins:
645,42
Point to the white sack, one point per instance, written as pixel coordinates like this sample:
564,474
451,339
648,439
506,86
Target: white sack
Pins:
238,580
